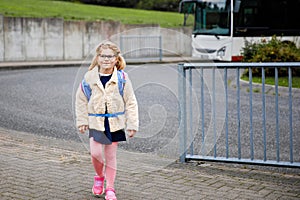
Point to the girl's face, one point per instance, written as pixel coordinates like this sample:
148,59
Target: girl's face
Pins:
107,60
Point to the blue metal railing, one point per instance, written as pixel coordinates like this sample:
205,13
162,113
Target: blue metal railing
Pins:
194,142
141,47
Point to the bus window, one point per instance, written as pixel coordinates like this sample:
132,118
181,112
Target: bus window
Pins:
266,18
212,17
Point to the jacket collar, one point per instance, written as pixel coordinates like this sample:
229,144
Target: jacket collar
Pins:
114,77
95,76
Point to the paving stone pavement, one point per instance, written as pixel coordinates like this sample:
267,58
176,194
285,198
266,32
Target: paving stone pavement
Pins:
36,167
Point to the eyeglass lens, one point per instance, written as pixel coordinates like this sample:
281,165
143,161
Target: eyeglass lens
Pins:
106,56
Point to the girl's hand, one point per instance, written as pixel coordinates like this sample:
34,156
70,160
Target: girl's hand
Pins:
83,128
131,133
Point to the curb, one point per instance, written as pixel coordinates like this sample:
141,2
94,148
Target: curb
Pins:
77,63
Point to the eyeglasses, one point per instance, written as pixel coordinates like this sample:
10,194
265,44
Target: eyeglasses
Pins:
110,57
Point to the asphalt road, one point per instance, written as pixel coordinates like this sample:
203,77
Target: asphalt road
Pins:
40,101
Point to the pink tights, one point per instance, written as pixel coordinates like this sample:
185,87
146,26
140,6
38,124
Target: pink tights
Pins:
110,155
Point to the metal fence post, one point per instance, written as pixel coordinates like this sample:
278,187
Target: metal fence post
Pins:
182,113
264,112
160,48
277,116
238,112
251,115
121,44
226,112
291,115
191,111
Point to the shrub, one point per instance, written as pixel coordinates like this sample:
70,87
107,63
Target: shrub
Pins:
274,50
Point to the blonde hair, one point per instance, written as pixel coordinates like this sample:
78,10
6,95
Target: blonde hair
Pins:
121,64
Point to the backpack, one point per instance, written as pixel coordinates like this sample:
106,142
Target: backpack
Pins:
86,89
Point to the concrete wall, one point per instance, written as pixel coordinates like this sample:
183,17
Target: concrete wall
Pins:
1,39
34,39
53,39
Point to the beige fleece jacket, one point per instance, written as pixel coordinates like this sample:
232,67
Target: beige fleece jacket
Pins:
109,96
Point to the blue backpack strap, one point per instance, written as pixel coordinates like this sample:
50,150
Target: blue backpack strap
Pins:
86,89
121,81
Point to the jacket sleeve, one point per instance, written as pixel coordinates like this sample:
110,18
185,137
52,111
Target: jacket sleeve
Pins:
131,106
81,108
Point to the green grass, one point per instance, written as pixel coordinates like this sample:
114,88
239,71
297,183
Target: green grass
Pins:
77,11
282,81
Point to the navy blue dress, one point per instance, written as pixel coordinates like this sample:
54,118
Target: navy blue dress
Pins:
107,137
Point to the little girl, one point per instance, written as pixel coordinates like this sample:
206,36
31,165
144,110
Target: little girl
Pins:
106,112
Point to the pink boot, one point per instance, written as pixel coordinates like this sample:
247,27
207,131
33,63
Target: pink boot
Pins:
110,194
98,187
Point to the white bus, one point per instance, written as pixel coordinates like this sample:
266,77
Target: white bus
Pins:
222,26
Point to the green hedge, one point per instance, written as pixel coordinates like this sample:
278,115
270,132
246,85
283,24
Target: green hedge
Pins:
273,50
